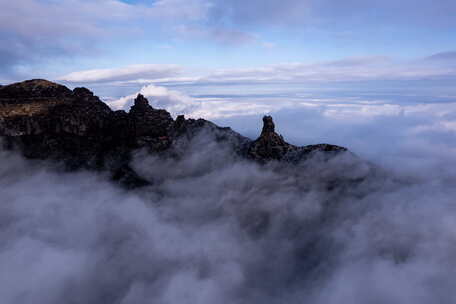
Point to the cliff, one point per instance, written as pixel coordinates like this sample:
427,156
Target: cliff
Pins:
45,120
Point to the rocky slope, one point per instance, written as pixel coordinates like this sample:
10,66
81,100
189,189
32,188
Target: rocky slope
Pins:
45,120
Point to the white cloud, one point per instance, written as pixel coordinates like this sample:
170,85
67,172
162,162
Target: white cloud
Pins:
348,69
159,97
178,103
359,110
150,71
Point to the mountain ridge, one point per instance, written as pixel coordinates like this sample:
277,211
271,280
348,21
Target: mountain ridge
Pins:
46,120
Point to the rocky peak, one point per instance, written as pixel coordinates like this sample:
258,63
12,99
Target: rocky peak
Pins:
149,122
269,145
268,125
35,88
82,92
36,85
179,124
141,103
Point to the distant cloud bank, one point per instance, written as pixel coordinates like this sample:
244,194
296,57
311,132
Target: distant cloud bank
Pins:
437,66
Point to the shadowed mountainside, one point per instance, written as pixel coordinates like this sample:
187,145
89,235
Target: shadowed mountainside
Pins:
45,120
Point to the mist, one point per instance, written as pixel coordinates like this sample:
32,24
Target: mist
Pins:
212,228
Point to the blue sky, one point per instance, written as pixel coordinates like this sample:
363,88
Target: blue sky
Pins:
53,38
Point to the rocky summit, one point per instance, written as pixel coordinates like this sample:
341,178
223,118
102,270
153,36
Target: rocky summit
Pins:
45,120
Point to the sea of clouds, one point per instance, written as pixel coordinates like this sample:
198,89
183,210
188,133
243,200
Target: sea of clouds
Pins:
379,227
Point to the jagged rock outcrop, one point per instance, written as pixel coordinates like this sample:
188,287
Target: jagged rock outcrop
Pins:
269,145
272,146
46,120
151,126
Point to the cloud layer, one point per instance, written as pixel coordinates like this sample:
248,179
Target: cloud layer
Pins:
440,66
213,228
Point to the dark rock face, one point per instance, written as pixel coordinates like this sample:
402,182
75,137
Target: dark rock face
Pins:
46,120
269,145
272,146
150,126
149,121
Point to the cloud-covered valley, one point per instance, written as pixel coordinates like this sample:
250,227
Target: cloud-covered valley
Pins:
214,228
377,227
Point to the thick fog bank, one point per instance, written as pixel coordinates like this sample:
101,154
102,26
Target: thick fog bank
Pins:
215,229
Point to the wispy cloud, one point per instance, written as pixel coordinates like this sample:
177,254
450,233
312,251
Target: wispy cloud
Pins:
349,69
36,31
447,57
344,70
148,71
41,32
